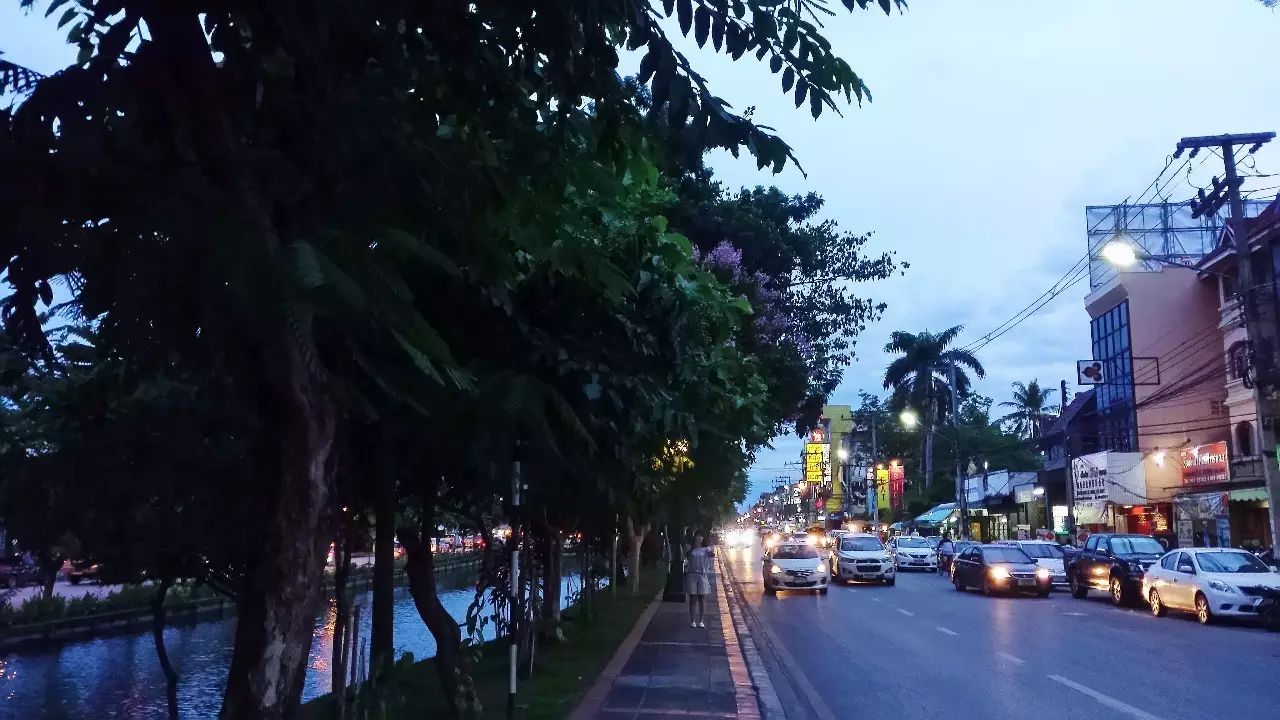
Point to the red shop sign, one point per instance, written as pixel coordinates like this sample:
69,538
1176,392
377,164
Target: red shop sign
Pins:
1205,464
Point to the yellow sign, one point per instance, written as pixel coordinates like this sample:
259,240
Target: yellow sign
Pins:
815,465
882,487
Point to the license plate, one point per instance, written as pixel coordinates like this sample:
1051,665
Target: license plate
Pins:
1026,583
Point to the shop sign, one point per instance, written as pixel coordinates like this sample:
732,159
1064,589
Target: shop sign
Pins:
1205,464
897,483
1090,481
816,457
1024,494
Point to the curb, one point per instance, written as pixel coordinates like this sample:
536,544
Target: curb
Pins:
593,701
738,635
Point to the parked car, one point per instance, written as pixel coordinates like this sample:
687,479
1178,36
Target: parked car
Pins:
912,553
1047,555
999,568
77,571
862,557
17,570
795,566
947,551
1114,562
1210,582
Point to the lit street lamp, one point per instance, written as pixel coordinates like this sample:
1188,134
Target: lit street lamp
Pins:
909,418
1123,254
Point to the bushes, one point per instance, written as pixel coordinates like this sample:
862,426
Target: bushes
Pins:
131,597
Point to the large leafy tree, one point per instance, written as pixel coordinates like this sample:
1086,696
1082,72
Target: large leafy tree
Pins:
919,378
269,195
1031,407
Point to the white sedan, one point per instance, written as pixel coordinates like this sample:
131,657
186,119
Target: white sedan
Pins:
913,553
795,566
1210,582
862,557
1047,555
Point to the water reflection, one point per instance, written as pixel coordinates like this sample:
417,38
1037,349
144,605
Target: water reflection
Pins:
119,677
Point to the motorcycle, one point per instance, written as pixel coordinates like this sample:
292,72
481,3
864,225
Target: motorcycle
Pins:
1269,608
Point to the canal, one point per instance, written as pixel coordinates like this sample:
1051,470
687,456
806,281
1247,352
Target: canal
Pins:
118,676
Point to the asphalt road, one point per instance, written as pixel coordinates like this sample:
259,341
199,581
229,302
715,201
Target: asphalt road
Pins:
923,650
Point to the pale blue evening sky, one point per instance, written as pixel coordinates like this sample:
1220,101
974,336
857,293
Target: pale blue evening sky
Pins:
994,124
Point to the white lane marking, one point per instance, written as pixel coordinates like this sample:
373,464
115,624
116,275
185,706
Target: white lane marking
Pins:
1075,614
943,630
1105,699
1011,658
908,613
876,599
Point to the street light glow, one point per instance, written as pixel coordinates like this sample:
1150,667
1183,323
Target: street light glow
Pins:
909,418
842,454
1119,253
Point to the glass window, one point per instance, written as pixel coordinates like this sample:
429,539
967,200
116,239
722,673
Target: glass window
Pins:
1230,562
794,552
1170,561
1042,550
913,542
1006,554
1136,546
860,544
1183,559
1091,543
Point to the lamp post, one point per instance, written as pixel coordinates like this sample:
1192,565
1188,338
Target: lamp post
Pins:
1040,491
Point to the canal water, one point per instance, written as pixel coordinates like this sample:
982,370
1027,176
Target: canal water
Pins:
118,676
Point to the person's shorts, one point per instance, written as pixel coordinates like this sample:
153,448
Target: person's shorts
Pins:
696,584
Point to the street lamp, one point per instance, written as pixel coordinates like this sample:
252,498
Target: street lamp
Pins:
1039,491
1123,254
909,418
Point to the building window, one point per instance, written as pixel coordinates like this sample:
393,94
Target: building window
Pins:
1117,415
1244,439
1237,360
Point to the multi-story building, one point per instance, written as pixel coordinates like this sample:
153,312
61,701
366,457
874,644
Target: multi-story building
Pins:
1167,405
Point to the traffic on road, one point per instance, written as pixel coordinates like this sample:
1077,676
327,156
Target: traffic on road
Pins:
990,637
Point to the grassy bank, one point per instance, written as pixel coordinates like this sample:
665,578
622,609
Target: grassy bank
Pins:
563,672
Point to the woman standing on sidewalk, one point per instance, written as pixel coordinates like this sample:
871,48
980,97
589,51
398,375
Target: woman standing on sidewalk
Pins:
697,579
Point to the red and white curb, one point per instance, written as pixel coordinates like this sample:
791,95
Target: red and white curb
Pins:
753,687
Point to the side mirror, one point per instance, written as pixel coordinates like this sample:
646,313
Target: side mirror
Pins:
1186,568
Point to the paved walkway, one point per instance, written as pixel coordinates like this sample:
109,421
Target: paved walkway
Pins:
666,669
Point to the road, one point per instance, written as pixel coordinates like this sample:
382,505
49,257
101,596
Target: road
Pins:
923,650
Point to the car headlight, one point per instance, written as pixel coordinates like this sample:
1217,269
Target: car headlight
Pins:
932,557
775,570
1222,587
821,566
1043,573
998,573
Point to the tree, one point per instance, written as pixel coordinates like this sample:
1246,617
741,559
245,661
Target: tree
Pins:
16,78
1031,408
919,378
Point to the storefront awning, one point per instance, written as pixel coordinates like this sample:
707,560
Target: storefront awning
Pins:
936,516
1233,486
1258,494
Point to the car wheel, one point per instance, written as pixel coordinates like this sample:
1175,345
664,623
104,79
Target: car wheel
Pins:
1078,589
1043,594
1118,595
986,587
74,579
1203,614
955,580
13,582
770,590
1157,607
822,591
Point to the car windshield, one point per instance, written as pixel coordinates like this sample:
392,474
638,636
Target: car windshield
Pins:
913,543
1005,554
794,552
1136,546
860,544
1037,550
1230,562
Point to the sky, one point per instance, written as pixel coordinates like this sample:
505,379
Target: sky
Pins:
993,125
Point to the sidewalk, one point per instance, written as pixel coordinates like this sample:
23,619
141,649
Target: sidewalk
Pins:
666,669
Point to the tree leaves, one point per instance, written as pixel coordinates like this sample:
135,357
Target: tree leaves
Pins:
684,9
701,25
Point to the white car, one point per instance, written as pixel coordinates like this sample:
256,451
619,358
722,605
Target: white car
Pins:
913,553
1210,582
1047,555
738,537
795,566
862,557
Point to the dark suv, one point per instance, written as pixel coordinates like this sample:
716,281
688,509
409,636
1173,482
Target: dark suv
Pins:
1114,562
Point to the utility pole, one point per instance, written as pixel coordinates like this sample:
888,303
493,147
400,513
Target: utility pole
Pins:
517,611
873,481
962,491
1259,347
1069,472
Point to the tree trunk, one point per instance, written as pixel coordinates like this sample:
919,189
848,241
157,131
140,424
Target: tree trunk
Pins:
928,459
551,574
455,680
636,535
382,636
157,633
342,605
281,593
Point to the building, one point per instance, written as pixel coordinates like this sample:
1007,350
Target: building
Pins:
1002,505
1075,429
1166,398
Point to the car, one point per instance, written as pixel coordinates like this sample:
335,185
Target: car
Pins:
912,553
947,550
1210,582
78,571
999,568
1046,554
862,557
933,541
1114,562
17,570
737,537
795,566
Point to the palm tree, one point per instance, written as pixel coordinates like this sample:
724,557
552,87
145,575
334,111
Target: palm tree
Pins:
919,378
1031,408
17,78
